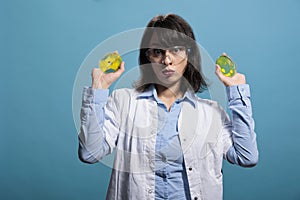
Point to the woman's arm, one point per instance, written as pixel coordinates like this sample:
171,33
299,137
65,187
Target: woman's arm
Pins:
99,115
239,137
92,143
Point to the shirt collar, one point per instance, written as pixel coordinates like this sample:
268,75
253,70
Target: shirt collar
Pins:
148,92
151,92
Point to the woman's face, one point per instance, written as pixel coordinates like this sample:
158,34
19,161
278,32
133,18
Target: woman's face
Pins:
168,63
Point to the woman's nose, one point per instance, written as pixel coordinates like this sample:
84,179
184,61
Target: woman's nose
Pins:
167,59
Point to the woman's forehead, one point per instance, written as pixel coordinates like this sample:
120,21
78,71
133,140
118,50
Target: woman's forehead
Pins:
164,40
154,41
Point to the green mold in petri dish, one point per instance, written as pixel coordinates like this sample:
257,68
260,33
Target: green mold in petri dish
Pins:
111,62
227,65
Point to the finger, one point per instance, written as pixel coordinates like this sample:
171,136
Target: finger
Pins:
95,70
224,54
218,71
121,69
220,75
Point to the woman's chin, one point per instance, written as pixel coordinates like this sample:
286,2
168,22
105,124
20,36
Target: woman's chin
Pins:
168,81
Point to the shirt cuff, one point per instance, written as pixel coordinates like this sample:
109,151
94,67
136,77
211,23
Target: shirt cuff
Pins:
238,92
97,96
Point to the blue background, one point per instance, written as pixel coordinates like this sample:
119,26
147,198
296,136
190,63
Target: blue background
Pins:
44,42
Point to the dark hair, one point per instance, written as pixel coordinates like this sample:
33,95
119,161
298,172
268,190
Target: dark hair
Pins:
172,30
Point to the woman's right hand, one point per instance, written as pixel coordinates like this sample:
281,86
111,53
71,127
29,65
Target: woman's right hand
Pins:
100,80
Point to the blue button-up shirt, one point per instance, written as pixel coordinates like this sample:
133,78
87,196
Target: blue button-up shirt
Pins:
170,174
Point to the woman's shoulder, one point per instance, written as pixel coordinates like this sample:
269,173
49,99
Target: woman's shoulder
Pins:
123,93
208,103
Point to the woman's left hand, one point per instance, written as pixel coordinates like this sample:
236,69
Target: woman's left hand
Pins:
236,79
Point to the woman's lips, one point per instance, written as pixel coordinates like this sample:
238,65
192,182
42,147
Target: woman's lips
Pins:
168,72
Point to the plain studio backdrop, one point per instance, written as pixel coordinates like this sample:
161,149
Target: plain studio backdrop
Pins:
43,44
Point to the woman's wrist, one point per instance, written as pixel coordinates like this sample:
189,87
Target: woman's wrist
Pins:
97,85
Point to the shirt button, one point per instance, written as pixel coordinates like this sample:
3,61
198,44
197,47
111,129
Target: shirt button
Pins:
190,169
196,198
150,191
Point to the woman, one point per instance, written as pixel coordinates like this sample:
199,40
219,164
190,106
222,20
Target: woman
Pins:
169,143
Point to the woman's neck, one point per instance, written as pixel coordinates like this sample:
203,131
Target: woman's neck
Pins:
171,93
